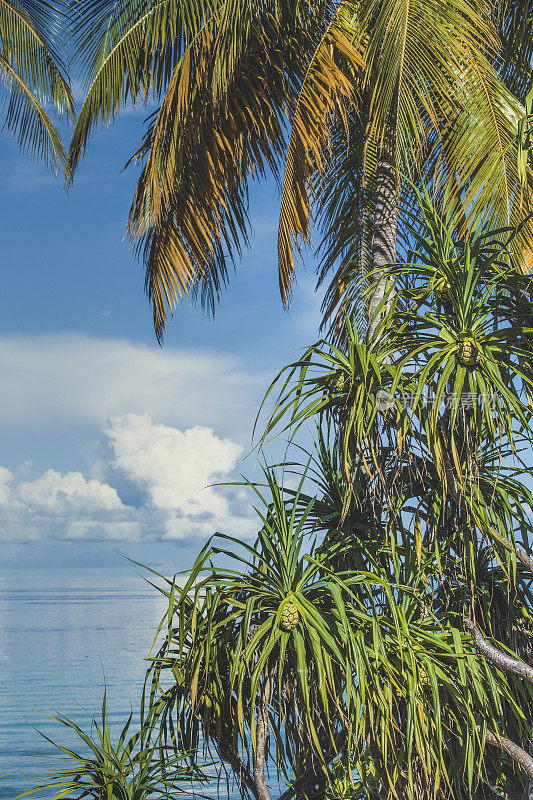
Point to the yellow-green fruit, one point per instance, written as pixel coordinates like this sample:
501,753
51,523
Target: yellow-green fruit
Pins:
289,617
468,354
339,383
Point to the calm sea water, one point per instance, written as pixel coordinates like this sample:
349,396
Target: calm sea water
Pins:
61,634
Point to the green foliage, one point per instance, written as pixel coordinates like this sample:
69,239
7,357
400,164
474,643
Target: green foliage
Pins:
316,94
132,768
405,521
466,325
459,334
227,639
341,383
337,646
34,78
371,680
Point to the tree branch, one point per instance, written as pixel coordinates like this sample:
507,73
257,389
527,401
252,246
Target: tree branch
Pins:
498,657
261,736
512,749
240,770
498,792
525,559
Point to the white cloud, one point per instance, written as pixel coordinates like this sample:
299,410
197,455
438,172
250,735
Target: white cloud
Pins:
60,506
59,383
172,464
153,429
54,493
6,476
171,469
175,468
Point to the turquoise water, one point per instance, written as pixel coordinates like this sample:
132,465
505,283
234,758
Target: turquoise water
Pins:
60,634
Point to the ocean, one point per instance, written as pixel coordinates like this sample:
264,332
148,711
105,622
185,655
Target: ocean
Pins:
63,635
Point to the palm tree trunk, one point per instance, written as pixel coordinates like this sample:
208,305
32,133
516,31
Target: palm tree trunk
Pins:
385,233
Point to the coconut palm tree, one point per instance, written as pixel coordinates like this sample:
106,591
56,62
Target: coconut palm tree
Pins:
34,79
337,99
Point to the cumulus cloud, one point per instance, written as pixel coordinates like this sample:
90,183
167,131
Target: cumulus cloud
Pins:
170,467
54,493
68,506
174,467
136,435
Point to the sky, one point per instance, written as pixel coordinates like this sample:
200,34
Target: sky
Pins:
108,441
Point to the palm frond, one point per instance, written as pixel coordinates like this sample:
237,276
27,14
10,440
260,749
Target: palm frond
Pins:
34,79
329,87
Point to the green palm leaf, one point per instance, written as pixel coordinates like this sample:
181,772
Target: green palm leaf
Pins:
34,78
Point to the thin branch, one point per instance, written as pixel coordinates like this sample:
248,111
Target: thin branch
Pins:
498,657
525,559
498,792
261,736
240,770
512,749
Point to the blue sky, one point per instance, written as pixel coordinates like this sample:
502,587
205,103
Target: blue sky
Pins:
107,440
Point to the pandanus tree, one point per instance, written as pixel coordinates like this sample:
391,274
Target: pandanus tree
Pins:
338,100
318,662
34,81
127,767
399,570
375,640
